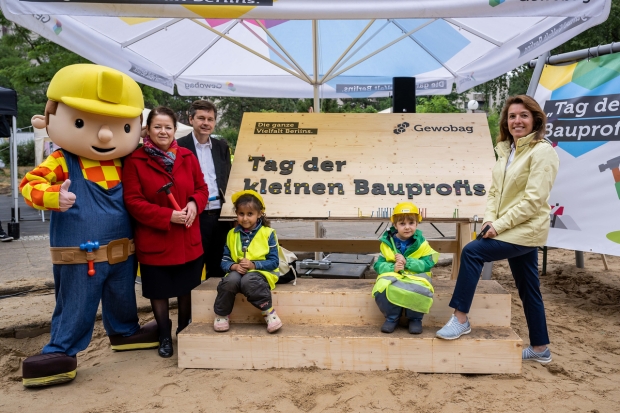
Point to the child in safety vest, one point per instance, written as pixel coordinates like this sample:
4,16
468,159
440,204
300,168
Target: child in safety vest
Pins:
404,271
250,262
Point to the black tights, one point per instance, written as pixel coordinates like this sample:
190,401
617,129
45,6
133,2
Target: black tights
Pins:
161,311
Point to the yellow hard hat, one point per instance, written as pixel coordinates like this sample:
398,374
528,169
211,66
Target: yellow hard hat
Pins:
97,89
406,208
236,196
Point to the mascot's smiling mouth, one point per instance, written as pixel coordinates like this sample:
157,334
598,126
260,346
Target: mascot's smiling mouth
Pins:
102,150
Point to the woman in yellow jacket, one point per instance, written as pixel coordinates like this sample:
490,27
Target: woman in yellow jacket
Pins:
517,217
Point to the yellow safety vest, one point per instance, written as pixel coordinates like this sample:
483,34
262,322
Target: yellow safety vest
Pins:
257,251
407,289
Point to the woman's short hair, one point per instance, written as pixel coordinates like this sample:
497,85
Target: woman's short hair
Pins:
540,118
162,110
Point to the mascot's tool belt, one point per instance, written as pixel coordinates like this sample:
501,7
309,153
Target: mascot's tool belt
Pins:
114,252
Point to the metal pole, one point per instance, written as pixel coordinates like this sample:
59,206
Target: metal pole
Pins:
580,54
540,64
579,259
317,101
318,233
14,170
315,59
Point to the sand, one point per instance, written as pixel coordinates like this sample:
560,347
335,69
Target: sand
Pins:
584,325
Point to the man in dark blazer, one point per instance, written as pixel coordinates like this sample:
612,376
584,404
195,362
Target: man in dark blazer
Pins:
214,158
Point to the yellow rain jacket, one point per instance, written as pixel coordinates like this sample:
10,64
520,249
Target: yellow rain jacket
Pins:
518,200
257,251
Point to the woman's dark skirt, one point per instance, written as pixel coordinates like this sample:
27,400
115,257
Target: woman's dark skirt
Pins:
167,281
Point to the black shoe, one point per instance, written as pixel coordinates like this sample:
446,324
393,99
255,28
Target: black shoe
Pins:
415,327
389,326
4,237
165,347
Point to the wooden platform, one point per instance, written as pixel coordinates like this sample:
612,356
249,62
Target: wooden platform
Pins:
335,324
249,346
349,302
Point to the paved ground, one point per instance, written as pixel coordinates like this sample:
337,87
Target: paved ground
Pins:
30,223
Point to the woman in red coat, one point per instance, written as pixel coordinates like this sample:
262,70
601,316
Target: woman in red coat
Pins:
168,244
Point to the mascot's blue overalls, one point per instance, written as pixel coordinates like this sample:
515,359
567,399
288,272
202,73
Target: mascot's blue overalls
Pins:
98,215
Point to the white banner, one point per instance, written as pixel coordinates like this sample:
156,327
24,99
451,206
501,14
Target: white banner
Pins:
582,102
311,9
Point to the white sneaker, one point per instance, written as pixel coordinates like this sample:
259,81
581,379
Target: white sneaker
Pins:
453,329
273,322
221,323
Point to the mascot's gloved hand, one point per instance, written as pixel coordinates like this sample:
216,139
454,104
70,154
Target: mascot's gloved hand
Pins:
66,198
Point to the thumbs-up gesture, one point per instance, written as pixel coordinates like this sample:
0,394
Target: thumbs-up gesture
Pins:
66,198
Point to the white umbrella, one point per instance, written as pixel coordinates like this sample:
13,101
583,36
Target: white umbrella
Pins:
308,48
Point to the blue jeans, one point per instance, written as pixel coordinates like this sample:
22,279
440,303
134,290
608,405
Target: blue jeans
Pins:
392,312
77,299
523,263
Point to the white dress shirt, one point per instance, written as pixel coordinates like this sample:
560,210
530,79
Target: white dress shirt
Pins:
205,158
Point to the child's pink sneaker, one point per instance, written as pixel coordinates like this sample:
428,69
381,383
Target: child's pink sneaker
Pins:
273,322
221,323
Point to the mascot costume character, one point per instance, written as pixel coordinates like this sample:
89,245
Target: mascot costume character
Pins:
94,115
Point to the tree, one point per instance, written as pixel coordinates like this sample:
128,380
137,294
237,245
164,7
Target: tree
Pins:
435,104
516,82
27,64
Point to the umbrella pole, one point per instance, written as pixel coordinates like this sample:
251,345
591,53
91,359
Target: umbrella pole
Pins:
315,57
14,170
317,103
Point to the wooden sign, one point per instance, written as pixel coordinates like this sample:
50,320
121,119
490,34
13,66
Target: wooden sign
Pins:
324,165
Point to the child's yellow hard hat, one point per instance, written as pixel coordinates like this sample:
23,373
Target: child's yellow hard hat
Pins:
97,89
406,208
236,196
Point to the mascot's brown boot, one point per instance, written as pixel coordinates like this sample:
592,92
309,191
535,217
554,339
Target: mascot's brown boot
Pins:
146,337
48,369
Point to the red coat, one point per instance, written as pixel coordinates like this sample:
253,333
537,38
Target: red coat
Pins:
158,241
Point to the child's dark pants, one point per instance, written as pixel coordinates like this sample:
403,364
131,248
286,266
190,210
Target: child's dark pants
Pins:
253,285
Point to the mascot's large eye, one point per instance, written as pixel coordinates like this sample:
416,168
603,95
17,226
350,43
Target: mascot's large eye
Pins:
127,128
79,123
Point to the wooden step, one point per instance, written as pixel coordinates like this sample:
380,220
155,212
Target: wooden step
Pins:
349,302
362,348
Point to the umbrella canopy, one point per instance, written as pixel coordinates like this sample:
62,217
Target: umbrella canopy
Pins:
301,48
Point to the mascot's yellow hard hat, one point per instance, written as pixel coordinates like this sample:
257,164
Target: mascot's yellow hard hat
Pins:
97,89
236,196
406,208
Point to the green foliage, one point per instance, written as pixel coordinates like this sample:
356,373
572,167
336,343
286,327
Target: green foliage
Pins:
604,33
517,81
233,108
25,153
230,135
493,119
435,104
27,64
179,104
354,105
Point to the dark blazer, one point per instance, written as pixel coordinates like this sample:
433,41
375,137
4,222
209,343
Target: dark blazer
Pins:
221,160
158,241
